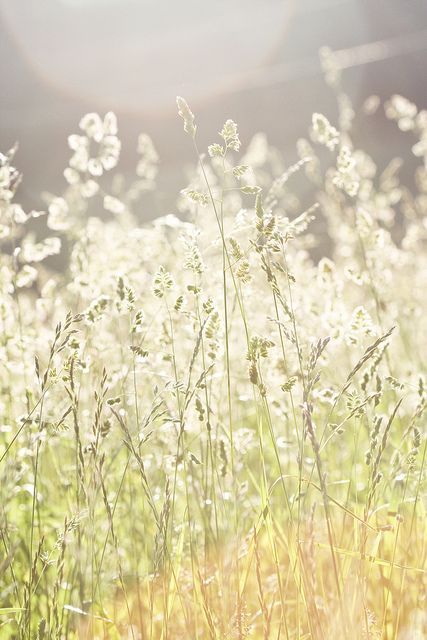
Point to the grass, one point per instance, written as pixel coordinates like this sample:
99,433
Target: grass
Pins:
207,433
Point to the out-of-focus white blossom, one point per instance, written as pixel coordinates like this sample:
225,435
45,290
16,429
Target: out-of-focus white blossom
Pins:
402,110
9,176
99,149
346,176
17,214
114,205
330,66
26,276
36,252
323,132
147,167
57,219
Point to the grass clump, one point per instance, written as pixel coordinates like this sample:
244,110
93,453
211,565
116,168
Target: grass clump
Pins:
206,432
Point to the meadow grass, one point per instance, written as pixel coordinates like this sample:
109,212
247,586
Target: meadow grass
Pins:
212,425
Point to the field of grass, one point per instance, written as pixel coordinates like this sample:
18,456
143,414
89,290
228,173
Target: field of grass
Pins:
206,432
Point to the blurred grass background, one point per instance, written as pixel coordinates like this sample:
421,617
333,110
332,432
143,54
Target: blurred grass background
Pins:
253,60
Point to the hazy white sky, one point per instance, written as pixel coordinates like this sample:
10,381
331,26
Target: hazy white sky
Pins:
127,52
